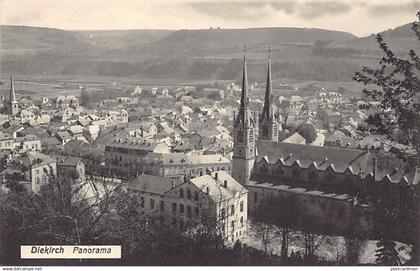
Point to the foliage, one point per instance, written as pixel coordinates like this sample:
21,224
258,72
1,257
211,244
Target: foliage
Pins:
386,254
396,85
308,131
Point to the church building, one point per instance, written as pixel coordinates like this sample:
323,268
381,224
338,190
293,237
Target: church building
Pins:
329,188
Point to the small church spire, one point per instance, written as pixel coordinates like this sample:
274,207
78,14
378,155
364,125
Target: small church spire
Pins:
12,105
12,94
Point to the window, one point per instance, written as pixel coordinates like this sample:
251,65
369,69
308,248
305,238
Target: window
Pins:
312,175
152,204
222,213
196,195
196,212
174,207
162,206
242,221
181,193
241,208
181,209
173,221
240,136
232,225
265,131
189,212
188,193
142,202
232,210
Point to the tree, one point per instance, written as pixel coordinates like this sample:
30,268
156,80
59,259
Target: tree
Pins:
308,131
354,248
387,254
283,219
265,233
64,212
396,86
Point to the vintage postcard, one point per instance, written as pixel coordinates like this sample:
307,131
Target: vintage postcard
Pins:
209,133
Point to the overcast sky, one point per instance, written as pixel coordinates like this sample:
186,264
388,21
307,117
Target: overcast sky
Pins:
360,17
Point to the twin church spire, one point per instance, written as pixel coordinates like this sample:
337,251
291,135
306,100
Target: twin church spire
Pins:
244,128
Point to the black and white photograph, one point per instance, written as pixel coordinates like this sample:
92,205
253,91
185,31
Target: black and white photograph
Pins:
209,133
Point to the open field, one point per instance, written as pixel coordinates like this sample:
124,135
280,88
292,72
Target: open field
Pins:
48,86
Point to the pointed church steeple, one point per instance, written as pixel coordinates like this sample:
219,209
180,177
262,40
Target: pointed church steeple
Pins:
12,106
244,136
267,111
12,94
244,94
269,118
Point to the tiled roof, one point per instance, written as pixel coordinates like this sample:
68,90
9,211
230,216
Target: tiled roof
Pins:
36,159
301,191
151,184
188,159
383,167
69,161
215,187
135,144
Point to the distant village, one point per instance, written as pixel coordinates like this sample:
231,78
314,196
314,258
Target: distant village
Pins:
236,146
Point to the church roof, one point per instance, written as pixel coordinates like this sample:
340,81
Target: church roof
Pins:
382,167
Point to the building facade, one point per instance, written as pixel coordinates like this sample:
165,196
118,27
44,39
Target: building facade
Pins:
244,136
216,201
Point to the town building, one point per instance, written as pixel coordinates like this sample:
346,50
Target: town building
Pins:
66,101
71,167
38,169
181,165
215,200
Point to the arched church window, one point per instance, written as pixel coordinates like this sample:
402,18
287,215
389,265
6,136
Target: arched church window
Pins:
240,136
265,131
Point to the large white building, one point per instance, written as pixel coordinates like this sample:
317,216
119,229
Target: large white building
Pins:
215,200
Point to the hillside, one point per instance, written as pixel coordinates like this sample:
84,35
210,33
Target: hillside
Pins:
400,39
113,39
134,43
18,40
207,54
231,41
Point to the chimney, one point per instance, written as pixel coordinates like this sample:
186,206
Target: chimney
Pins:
207,190
225,184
